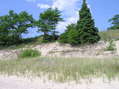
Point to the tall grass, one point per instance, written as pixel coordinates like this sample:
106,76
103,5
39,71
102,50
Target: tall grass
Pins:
109,35
62,69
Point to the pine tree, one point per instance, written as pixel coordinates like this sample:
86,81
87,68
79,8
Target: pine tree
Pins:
47,23
70,35
88,33
115,23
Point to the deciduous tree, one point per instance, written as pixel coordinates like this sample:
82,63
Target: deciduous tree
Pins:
13,25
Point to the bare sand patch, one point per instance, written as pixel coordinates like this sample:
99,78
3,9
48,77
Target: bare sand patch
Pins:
14,82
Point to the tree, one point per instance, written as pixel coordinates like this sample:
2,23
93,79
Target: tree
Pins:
84,31
70,35
64,36
48,21
86,27
73,36
115,22
4,25
55,16
13,25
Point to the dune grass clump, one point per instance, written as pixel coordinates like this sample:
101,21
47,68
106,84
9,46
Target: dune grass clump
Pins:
29,53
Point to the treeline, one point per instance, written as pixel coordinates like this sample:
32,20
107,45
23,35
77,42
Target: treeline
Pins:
13,25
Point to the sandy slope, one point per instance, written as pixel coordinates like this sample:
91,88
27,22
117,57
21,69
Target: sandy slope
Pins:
13,82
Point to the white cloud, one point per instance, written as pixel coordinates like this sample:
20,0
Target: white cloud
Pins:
64,4
43,6
62,25
69,9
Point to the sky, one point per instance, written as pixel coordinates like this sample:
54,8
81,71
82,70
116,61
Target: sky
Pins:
102,10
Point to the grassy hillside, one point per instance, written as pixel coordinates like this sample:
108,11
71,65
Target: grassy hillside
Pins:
110,35
106,36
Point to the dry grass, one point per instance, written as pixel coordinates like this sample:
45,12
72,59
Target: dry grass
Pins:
62,69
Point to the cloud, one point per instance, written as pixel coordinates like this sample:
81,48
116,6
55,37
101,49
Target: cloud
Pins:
69,9
62,25
43,6
64,4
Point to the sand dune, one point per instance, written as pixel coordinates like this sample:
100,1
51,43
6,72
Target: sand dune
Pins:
14,82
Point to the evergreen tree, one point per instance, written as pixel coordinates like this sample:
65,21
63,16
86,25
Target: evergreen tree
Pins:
64,37
55,19
115,23
47,23
70,35
88,33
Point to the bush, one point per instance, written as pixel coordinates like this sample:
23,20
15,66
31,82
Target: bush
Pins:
29,53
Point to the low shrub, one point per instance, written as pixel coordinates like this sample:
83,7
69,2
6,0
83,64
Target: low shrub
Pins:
29,53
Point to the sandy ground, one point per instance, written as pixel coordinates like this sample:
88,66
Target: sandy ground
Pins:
14,82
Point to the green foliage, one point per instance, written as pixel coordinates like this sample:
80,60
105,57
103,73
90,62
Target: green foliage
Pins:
70,35
87,31
13,25
63,38
115,23
29,53
111,46
73,37
84,32
47,23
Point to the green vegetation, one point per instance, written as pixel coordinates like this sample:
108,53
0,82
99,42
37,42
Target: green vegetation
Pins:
12,26
29,53
87,31
111,46
70,36
109,35
84,32
47,23
62,69
115,23
105,36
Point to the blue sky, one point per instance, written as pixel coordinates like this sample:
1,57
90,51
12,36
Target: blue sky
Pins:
102,10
